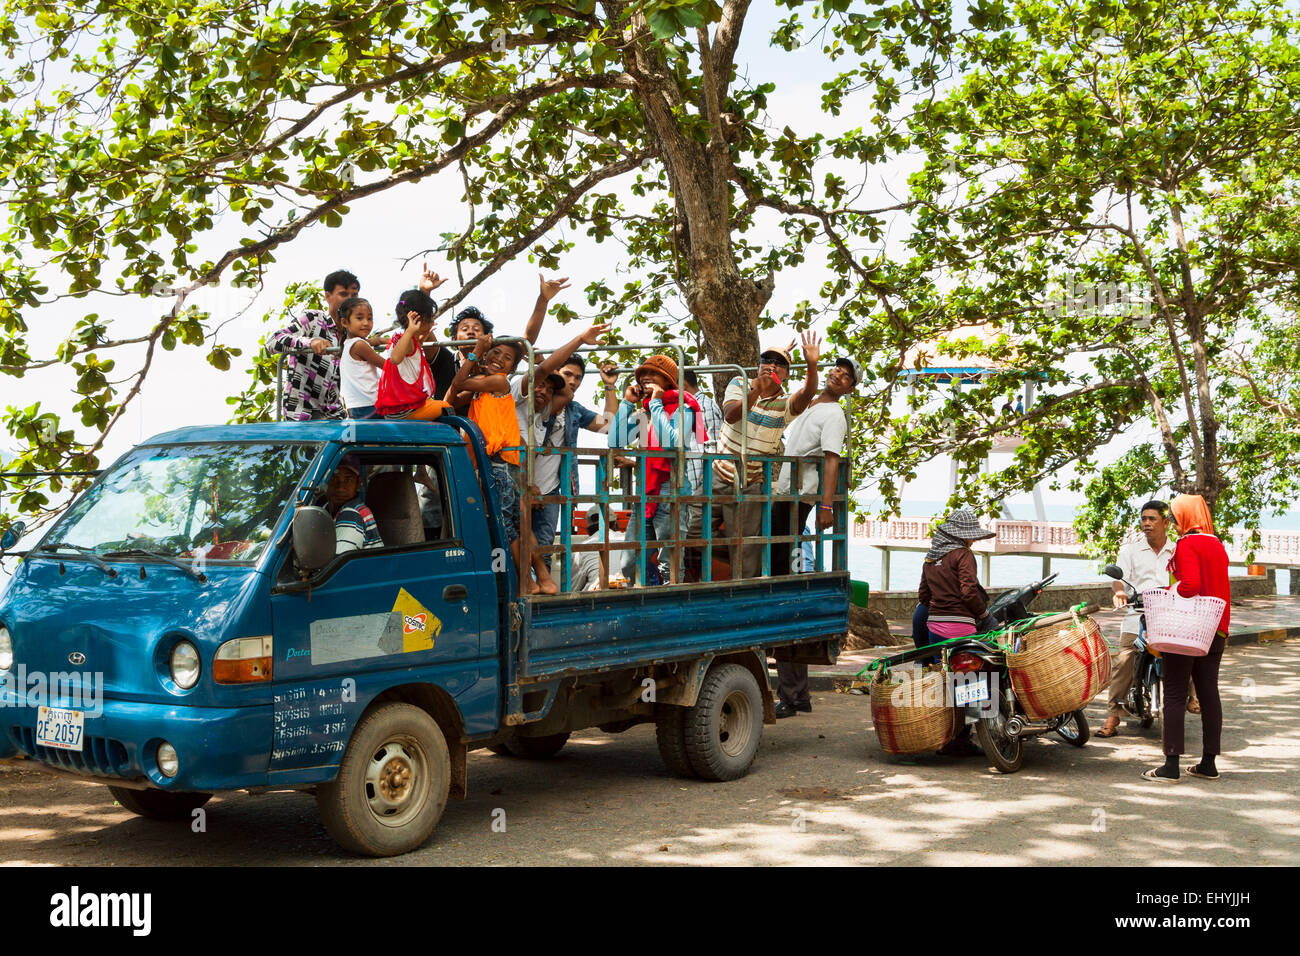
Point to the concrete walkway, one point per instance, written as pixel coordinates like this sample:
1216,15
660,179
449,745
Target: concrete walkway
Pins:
1255,620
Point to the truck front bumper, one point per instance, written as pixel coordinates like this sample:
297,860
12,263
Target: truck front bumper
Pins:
218,748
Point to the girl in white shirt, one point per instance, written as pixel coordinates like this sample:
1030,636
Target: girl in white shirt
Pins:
359,365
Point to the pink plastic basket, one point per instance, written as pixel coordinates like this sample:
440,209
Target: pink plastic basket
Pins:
1180,625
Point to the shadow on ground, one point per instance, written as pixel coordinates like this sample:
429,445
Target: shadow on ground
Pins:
821,792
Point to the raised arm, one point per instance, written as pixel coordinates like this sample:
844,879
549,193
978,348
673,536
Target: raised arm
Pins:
549,289
734,409
812,351
430,280
555,361
405,346
609,377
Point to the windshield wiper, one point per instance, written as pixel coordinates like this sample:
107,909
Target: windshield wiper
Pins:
174,562
95,559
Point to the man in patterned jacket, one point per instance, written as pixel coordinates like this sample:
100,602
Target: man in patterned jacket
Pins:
311,390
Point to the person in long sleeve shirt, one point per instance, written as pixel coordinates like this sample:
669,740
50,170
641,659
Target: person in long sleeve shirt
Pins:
1200,565
656,379
311,388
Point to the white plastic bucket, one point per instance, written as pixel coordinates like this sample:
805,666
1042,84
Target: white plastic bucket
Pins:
1181,625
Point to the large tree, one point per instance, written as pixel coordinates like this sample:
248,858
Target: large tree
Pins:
133,133
1112,188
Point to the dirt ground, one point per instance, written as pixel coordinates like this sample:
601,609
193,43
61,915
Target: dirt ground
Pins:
820,792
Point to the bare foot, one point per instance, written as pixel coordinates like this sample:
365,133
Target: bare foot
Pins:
532,588
548,587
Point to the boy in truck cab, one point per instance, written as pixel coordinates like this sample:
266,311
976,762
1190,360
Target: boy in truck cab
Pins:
354,525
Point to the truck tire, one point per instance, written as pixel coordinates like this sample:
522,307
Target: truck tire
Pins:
537,748
723,728
670,733
392,785
159,804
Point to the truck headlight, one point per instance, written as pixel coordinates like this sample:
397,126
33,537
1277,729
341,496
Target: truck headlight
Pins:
185,665
6,650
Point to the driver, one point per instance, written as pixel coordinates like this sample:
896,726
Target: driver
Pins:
951,590
354,525
1143,562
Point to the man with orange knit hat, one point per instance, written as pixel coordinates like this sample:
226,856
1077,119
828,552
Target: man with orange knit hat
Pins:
648,417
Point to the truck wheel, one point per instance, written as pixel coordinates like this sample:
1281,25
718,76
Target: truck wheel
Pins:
537,748
723,728
159,804
670,733
392,785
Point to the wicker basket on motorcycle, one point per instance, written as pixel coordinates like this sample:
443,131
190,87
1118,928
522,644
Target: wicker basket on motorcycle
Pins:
1062,664
912,712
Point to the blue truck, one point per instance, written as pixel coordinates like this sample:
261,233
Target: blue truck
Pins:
187,627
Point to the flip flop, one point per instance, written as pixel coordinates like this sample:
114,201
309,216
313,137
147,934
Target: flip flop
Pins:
1195,771
1152,775
1106,734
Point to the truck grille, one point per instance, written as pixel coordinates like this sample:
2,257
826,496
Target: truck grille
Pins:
99,755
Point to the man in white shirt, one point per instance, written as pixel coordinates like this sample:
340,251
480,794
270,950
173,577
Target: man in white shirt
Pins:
587,564
820,432
1145,564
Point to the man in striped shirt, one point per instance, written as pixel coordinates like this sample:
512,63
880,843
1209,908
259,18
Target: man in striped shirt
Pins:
311,389
766,409
354,526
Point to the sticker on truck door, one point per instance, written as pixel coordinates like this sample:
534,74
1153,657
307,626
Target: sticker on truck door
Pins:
409,626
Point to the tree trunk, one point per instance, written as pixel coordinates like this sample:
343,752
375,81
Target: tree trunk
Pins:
726,304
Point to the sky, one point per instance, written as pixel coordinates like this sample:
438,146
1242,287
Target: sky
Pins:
375,238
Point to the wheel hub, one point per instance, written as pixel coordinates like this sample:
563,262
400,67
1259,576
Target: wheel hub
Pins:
395,779
396,783
735,724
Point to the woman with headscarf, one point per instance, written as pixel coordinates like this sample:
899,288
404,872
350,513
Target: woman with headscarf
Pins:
1200,566
951,590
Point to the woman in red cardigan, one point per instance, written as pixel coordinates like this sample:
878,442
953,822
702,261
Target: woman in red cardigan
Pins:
1200,565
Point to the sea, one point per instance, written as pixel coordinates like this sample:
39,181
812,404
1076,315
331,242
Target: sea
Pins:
1009,570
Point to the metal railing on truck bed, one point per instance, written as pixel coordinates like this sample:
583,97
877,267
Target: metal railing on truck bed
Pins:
714,494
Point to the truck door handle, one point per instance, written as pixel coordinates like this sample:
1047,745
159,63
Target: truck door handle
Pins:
455,592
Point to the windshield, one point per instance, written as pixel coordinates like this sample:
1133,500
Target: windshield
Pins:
218,501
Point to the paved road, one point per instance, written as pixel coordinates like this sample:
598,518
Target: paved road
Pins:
821,792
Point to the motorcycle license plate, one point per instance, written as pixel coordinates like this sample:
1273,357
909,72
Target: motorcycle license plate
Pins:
973,692
59,728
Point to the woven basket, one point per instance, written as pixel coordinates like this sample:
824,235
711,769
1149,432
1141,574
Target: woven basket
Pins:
1179,625
1063,663
905,714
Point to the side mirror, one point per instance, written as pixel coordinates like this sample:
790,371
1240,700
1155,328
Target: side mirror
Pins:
1113,571
13,534
313,538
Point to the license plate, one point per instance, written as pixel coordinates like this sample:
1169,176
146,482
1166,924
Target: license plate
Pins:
61,729
973,692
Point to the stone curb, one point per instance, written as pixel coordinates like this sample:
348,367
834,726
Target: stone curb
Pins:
828,680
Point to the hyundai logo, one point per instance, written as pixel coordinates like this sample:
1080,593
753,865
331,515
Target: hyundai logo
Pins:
76,658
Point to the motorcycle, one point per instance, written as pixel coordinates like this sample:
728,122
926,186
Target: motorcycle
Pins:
1143,701
984,688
